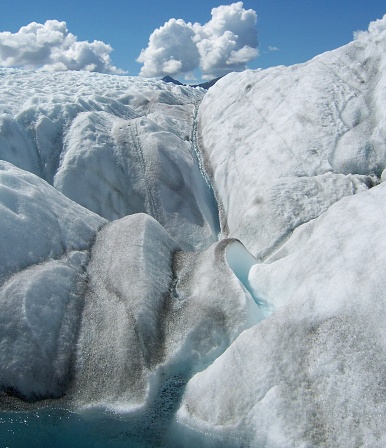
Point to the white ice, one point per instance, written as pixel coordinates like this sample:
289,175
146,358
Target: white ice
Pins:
286,143
116,145
316,366
312,374
45,239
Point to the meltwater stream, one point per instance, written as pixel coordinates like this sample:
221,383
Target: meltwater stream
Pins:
210,194
240,260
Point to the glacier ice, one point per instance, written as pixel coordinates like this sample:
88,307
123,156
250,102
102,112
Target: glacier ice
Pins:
241,262
180,269
119,167
116,145
121,332
283,144
45,239
318,361
146,314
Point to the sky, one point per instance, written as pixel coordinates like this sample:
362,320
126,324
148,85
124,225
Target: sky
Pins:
190,41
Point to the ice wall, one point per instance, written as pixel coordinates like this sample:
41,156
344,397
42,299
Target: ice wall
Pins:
311,374
298,183
45,239
284,144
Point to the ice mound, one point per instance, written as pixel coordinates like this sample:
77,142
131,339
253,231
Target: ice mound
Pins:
118,167
121,332
148,317
38,223
45,239
284,144
116,145
311,374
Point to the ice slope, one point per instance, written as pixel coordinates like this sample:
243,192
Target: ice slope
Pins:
121,332
118,167
284,144
149,315
313,373
116,145
45,239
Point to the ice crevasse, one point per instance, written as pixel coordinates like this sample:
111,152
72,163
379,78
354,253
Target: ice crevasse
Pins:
187,269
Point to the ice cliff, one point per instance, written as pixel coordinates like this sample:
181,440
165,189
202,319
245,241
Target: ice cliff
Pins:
181,268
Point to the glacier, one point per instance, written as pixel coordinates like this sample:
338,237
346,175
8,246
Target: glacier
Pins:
182,268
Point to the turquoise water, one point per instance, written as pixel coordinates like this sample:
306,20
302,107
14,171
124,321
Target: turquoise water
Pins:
59,428
56,429
52,428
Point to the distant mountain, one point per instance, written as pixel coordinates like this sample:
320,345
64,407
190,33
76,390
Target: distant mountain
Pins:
204,85
208,84
172,80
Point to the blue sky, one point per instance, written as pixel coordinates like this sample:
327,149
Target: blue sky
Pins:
298,29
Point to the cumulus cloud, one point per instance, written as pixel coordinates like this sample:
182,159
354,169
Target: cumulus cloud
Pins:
375,28
171,50
272,48
50,46
224,44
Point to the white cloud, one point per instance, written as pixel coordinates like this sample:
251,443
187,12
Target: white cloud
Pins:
242,56
170,50
272,48
224,44
50,46
375,28
190,76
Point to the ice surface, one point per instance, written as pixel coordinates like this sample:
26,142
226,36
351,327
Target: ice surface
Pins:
118,167
147,315
241,262
37,222
39,322
45,239
210,305
121,333
147,331
284,144
317,363
287,148
116,145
